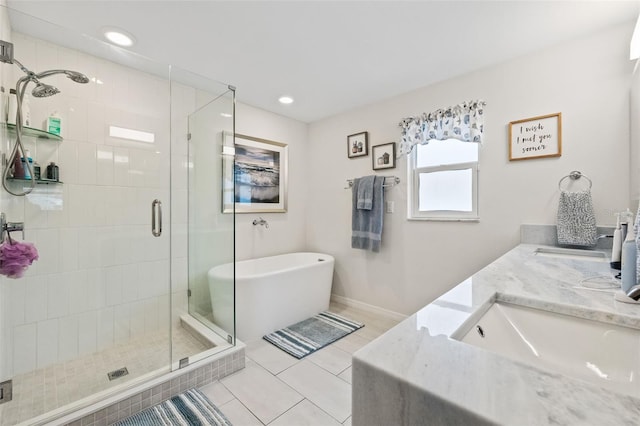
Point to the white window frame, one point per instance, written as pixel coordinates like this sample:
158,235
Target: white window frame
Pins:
413,199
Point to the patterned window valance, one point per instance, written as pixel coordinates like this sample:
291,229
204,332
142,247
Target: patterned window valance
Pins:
464,122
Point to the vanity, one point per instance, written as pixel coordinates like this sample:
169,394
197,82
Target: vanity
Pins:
574,360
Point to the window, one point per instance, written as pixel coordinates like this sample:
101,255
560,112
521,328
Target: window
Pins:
443,181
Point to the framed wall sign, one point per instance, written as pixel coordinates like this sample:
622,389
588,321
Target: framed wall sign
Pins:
358,145
384,156
536,137
255,177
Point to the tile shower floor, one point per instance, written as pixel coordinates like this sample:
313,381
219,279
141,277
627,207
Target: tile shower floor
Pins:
46,389
276,389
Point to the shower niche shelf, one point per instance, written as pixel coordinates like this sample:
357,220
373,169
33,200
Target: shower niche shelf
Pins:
38,181
35,133
40,135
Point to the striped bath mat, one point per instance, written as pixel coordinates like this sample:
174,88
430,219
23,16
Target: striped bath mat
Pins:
306,337
190,408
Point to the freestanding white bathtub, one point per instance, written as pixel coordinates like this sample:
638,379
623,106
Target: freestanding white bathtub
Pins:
271,292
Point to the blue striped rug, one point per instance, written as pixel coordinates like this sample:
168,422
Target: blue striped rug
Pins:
190,408
306,337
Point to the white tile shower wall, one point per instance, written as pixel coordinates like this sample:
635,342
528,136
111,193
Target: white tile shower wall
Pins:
101,278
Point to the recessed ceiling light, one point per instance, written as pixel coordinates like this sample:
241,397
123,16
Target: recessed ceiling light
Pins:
285,100
226,115
118,36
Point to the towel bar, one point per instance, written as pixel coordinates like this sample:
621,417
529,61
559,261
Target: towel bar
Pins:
395,180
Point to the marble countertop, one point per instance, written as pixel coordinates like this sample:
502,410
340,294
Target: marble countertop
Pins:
450,380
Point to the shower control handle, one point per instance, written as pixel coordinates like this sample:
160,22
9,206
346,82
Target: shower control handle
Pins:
156,218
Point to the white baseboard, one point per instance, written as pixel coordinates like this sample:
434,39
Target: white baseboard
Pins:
368,308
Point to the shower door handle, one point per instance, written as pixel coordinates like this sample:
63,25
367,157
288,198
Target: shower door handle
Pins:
156,218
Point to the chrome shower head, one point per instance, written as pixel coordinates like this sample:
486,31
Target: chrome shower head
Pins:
44,90
73,75
78,77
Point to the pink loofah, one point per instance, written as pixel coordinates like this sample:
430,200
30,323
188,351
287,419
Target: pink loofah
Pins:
16,258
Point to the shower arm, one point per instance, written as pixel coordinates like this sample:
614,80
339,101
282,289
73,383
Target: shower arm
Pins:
22,67
49,73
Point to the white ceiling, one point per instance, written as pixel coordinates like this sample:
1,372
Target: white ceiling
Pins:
331,56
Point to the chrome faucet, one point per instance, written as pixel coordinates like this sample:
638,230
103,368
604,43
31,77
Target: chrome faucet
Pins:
261,221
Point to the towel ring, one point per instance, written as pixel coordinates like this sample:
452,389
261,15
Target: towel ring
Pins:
574,175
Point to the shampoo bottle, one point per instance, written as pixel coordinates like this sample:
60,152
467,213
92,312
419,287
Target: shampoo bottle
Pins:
37,175
629,258
18,170
27,164
616,249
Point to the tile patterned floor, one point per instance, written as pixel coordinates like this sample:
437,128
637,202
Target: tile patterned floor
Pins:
52,387
276,389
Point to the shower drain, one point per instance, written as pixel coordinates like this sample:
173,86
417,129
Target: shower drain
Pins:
116,374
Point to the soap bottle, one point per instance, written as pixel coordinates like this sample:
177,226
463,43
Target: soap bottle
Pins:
616,249
54,124
18,169
53,172
27,164
629,259
37,173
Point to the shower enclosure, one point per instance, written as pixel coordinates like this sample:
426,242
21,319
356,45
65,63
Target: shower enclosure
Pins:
118,298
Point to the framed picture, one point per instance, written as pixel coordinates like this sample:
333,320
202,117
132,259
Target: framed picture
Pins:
536,137
358,145
384,156
254,175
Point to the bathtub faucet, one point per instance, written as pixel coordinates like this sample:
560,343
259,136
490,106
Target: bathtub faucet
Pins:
261,221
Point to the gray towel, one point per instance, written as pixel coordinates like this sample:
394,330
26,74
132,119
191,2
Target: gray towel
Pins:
365,192
366,225
576,220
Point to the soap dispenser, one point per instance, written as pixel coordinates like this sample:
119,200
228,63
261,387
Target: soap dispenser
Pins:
616,249
54,124
629,258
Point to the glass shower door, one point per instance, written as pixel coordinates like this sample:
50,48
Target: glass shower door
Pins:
211,223
91,317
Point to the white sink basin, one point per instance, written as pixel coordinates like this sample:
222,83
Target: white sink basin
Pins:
565,253
604,354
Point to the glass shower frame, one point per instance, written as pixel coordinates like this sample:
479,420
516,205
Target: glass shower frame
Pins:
211,233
